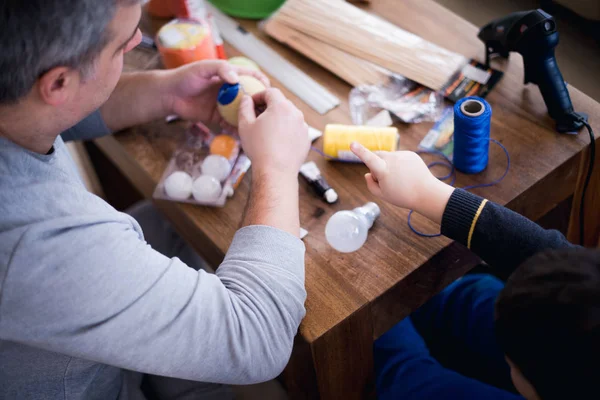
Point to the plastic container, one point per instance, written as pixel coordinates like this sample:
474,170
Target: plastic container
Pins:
183,41
205,169
255,9
338,138
407,100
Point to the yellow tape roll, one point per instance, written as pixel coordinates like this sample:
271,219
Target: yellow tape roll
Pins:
337,140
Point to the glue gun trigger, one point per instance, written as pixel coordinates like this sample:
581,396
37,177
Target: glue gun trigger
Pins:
494,49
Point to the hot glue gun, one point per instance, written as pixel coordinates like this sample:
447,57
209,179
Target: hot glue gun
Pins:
534,35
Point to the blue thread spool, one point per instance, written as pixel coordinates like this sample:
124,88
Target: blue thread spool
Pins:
472,121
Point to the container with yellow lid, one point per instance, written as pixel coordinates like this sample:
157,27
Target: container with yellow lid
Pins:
337,140
183,41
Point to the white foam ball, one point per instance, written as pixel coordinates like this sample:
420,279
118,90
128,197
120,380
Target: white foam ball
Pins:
206,189
178,185
216,166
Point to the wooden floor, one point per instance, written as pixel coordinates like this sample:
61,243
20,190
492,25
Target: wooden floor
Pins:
578,54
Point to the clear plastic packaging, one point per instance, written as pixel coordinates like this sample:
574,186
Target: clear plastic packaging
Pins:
205,169
407,100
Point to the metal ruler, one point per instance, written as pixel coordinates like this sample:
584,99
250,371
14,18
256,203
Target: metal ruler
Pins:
312,93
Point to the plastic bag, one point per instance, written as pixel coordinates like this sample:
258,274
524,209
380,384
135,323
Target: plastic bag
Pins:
205,169
407,100
441,136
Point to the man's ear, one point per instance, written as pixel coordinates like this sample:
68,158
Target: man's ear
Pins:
59,85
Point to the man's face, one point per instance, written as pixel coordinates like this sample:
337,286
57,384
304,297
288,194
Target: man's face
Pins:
96,88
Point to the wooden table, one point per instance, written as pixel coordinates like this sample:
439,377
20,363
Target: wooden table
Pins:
353,299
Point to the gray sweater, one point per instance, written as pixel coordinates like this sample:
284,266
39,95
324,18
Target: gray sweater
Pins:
83,296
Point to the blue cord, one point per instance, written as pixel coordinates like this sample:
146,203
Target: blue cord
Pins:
472,122
447,163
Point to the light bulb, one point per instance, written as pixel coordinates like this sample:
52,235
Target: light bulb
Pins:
178,185
346,231
206,189
216,166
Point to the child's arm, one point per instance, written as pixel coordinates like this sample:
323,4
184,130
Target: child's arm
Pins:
499,236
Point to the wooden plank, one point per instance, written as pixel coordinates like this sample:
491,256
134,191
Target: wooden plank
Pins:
351,69
364,35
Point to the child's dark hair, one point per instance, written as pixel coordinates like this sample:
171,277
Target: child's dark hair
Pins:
548,323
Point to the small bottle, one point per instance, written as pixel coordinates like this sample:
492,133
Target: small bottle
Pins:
346,231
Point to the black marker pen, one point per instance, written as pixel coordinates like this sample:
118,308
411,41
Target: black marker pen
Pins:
312,174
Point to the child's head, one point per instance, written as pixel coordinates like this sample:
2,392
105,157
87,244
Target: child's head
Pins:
548,323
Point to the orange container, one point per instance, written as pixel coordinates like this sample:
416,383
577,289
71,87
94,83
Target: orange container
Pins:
182,42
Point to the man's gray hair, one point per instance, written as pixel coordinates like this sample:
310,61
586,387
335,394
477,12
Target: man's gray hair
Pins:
38,35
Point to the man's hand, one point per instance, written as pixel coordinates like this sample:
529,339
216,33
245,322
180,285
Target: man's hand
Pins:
277,140
403,179
277,143
191,91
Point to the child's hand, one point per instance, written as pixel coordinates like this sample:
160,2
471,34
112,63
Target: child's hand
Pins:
403,179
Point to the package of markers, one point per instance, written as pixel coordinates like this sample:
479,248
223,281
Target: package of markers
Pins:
205,169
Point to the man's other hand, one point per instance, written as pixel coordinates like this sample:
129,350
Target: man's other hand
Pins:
277,140
191,91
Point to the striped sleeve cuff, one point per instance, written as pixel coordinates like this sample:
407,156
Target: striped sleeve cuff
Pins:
461,215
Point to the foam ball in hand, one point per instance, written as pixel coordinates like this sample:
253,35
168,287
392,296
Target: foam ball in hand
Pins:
178,185
230,97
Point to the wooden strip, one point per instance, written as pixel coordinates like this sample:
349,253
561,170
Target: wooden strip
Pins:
369,37
351,69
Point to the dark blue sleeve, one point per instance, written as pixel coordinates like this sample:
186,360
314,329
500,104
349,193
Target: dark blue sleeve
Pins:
90,128
501,237
405,370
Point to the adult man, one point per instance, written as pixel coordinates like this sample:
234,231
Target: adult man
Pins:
83,297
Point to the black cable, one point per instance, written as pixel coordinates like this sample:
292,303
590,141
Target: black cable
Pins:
587,182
